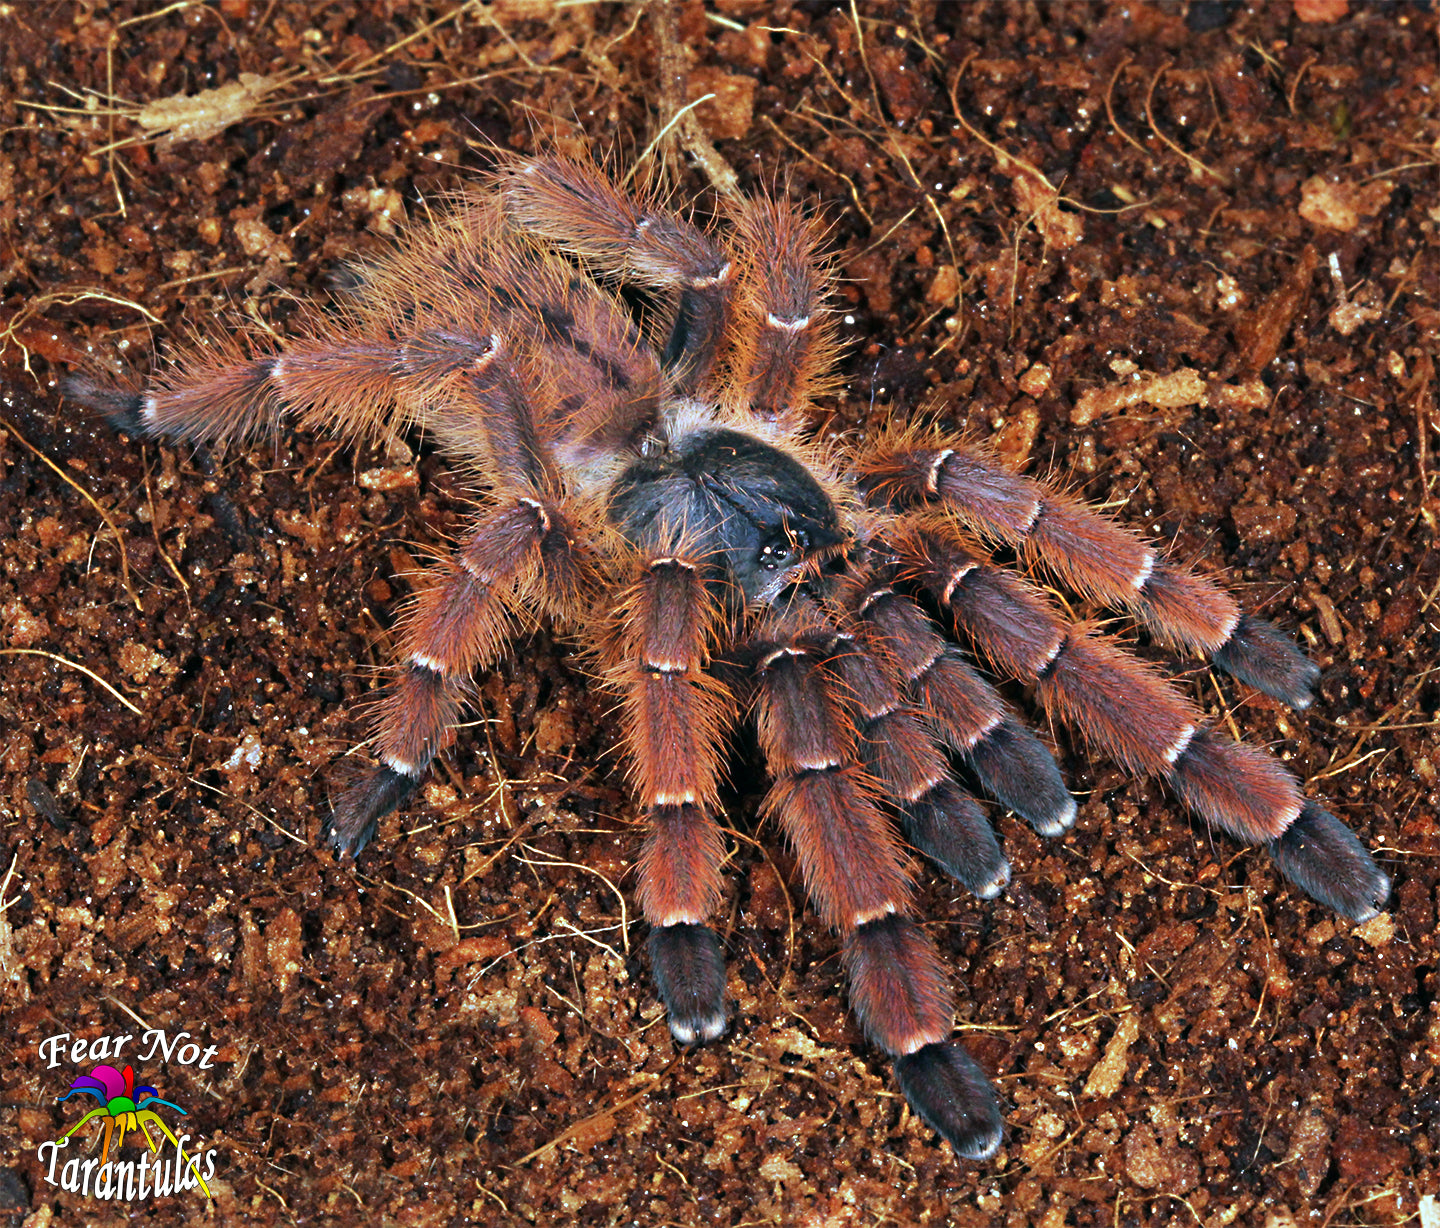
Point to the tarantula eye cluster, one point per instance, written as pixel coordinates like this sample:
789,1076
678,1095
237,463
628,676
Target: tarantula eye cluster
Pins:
651,485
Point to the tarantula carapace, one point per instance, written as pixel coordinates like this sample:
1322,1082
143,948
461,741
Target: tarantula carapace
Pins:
632,395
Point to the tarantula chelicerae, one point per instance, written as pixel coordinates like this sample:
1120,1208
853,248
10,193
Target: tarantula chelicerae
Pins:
652,485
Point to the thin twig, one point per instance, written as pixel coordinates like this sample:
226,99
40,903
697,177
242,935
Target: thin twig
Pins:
40,652
89,498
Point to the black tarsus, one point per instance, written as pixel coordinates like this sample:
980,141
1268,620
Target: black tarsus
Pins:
358,812
120,408
1018,770
1260,654
951,1094
689,969
950,828
1326,860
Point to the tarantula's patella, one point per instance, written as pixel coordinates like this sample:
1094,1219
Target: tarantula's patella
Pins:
647,479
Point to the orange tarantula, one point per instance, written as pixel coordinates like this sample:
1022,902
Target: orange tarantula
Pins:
647,479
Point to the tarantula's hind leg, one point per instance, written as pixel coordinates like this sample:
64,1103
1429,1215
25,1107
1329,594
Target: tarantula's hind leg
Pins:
457,624
676,717
357,812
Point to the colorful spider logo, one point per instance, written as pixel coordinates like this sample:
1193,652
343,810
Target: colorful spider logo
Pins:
131,1107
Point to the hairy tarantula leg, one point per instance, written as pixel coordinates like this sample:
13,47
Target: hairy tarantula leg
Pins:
1008,759
854,869
457,623
785,341
1119,706
574,206
1092,555
1326,860
676,717
951,1094
1090,682
213,400
222,395
492,416
936,815
856,875
900,993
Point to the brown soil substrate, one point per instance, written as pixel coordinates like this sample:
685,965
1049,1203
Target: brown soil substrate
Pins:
1036,210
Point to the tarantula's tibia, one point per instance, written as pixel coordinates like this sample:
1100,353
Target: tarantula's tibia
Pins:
784,341
1090,554
578,209
676,719
856,875
963,710
461,620
1117,703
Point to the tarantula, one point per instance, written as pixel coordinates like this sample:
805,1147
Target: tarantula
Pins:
632,395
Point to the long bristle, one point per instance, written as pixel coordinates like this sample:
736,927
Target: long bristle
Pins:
1186,610
415,717
852,864
679,869
1007,620
957,701
676,713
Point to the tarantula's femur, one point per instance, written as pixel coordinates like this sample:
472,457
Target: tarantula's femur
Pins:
652,486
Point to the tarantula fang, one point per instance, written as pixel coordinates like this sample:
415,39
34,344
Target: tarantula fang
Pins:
646,478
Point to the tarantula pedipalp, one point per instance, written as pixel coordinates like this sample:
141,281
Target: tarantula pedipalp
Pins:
652,486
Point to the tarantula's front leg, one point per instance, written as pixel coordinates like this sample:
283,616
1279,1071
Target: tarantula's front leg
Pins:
575,207
518,553
855,872
1091,555
676,718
